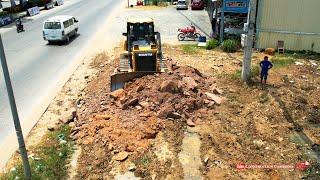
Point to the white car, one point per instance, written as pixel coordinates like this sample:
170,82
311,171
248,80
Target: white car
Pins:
181,4
60,28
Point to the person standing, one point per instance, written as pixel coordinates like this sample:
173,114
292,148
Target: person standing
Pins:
265,66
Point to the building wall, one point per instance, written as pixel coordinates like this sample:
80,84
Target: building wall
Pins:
296,22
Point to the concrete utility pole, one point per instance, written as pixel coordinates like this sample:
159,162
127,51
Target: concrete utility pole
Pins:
22,147
222,22
246,64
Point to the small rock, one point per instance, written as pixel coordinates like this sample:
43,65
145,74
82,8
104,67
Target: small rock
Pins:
298,63
259,143
211,105
174,115
190,123
103,116
139,107
76,129
216,91
149,133
72,125
130,102
170,86
117,94
110,147
190,82
69,116
145,114
214,98
86,77
165,111
121,156
52,127
144,104
132,167
13,169
206,159
130,148
140,88
122,99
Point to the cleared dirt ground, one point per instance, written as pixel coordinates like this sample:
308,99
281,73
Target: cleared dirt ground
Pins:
253,125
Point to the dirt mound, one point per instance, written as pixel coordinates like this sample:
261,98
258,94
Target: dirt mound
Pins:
129,118
134,114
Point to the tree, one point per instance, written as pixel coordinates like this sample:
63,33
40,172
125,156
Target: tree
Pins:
13,3
22,2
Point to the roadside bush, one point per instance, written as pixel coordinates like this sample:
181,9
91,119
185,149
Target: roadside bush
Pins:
163,4
15,9
39,3
155,2
211,44
3,13
229,46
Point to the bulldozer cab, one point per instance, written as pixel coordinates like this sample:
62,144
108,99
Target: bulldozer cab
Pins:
141,29
141,52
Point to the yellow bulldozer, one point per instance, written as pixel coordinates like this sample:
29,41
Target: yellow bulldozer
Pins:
141,52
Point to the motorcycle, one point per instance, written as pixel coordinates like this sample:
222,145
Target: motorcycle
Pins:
188,32
19,26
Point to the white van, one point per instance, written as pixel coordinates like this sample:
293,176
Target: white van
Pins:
59,28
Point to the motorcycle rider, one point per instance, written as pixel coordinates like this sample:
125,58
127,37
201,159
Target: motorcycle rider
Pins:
19,24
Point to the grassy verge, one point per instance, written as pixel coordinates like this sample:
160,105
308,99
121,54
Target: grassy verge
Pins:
281,61
190,48
255,71
303,55
50,157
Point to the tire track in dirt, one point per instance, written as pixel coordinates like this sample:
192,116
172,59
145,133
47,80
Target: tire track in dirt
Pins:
303,138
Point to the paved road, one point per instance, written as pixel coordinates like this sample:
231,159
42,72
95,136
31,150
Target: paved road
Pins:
35,66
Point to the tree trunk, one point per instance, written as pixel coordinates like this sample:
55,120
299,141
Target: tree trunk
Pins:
13,3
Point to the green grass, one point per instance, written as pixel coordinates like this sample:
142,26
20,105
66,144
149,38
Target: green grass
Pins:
229,45
51,157
303,55
190,48
313,171
236,75
255,71
264,98
281,61
212,44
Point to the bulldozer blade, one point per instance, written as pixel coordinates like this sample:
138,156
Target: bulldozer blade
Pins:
118,80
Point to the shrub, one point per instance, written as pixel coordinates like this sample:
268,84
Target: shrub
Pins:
211,44
39,3
229,45
3,13
155,2
15,9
